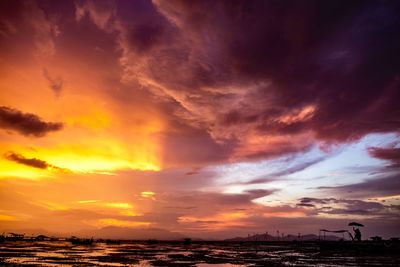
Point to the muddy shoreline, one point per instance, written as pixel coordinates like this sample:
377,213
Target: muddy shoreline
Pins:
201,254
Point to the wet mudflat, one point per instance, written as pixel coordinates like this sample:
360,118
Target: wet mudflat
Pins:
201,254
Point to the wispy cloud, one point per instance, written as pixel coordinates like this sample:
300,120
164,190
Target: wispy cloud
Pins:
386,185
55,82
355,207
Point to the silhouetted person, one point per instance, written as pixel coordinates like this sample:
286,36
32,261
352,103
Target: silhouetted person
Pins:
357,234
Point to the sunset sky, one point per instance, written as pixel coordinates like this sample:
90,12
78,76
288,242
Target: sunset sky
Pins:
211,119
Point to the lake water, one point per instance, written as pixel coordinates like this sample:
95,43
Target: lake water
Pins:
218,254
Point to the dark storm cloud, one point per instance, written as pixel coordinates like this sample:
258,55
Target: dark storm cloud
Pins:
241,71
31,162
339,57
235,71
26,123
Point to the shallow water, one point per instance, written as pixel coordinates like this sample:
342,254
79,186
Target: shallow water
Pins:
218,254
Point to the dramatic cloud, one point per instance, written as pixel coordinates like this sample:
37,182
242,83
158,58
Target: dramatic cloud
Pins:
169,108
26,123
31,162
339,91
308,75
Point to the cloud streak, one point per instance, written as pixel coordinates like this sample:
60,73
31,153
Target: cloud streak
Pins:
287,171
388,185
31,162
26,123
352,207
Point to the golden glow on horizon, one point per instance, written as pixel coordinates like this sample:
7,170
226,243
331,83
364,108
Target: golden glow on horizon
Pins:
7,218
124,208
121,223
103,156
87,201
13,170
119,205
71,161
99,135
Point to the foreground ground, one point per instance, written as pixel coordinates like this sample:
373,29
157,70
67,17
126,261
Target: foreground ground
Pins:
201,254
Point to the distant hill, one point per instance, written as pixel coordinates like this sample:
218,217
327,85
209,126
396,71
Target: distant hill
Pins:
265,237
30,232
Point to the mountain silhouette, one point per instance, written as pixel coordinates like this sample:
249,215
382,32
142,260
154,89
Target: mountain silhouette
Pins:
114,232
